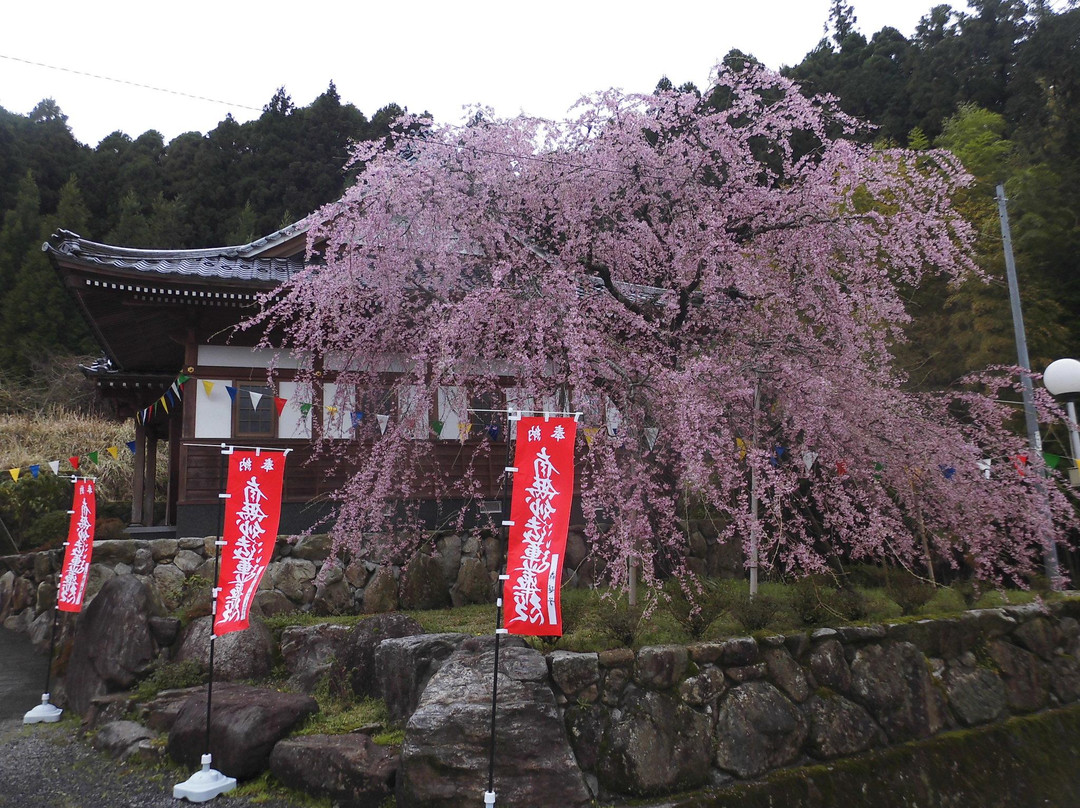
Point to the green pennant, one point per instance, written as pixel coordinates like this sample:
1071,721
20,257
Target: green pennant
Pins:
436,427
182,378
93,457
305,409
1052,460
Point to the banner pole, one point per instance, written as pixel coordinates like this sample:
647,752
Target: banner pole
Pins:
208,783
504,529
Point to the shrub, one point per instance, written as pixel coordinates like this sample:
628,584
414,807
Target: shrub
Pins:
753,613
910,593
809,600
696,611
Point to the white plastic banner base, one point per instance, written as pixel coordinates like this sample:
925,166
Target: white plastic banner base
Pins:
204,785
44,713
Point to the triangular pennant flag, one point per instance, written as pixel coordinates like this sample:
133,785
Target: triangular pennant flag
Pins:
74,461
357,418
436,427
778,453
208,386
279,404
1052,460
332,410
131,446
305,409
1077,464
841,467
93,457
113,451
463,430
948,472
14,474
651,433
182,378
808,459
494,431
231,391
55,465
1020,464
740,444
878,468
984,466
590,434
164,402
383,421
35,470
255,399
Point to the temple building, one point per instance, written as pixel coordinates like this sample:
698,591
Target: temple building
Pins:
174,361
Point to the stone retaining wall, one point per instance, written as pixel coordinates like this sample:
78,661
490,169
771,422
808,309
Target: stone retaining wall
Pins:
655,721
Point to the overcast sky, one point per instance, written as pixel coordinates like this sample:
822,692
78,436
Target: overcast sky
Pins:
434,56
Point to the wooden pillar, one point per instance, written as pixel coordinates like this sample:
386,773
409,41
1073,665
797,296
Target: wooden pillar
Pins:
175,430
138,475
149,476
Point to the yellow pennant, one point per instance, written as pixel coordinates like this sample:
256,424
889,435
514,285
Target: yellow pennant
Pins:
14,474
463,430
208,386
590,434
741,444
113,451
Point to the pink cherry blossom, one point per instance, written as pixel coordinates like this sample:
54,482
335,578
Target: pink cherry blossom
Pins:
661,256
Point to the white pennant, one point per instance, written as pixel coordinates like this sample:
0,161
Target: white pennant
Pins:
255,399
383,421
651,433
984,467
808,459
55,466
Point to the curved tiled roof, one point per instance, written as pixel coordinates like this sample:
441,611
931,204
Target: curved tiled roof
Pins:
223,263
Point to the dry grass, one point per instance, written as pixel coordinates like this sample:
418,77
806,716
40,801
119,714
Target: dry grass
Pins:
55,434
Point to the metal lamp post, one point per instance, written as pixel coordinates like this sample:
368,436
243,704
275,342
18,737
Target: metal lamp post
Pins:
1062,379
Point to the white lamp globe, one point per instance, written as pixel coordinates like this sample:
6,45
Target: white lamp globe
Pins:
1062,377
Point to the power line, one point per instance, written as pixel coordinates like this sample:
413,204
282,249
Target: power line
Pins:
129,83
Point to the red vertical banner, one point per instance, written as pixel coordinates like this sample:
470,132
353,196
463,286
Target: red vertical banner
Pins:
539,516
80,548
252,513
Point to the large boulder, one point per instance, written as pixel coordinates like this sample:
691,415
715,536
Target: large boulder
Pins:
422,585
381,592
246,654
245,724
114,644
353,671
838,727
757,729
976,695
351,769
444,759
892,681
294,578
656,745
404,666
309,651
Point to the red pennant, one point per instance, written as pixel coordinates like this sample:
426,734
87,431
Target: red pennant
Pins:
74,461
80,548
280,403
539,515
252,513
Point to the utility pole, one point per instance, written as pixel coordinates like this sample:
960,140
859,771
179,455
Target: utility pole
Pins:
1050,559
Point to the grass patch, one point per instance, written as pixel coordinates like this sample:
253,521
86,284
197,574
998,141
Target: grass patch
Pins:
266,788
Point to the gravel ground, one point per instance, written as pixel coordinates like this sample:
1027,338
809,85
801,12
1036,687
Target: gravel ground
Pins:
54,765
50,766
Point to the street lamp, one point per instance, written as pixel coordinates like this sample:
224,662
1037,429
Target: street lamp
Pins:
1062,379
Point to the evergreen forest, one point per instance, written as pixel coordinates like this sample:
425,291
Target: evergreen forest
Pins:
997,83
